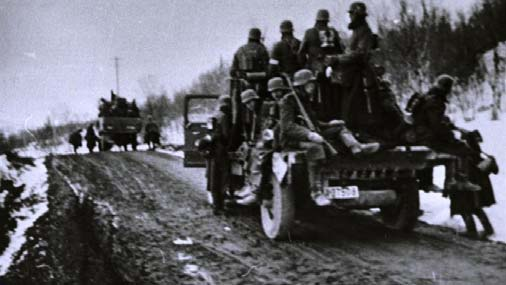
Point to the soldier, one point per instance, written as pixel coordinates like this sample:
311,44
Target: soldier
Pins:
318,43
434,129
91,138
284,55
388,122
356,71
294,133
75,140
252,58
251,131
221,133
151,133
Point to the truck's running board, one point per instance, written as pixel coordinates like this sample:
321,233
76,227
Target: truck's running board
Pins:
369,199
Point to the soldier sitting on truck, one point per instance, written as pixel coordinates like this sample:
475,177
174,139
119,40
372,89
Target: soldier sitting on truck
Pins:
300,129
434,129
388,122
251,132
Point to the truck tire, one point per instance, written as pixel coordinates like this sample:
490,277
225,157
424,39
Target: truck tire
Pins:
133,141
404,214
105,145
277,218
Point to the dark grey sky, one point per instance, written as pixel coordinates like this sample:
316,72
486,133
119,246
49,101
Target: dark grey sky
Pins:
56,56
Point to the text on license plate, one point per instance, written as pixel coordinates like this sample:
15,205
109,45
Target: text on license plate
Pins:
339,192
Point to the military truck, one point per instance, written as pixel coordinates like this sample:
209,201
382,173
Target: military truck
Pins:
388,180
119,123
120,131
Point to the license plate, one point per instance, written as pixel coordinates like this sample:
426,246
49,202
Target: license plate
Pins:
338,192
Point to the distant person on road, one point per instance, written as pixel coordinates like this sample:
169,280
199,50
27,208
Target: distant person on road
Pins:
75,140
91,138
151,134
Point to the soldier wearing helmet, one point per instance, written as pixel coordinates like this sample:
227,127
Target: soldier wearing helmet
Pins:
320,42
356,70
251,57
297,131
250,120
434,129
284,57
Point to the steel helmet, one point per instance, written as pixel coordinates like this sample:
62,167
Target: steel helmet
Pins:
445,82
255,34
286,26
224,100
358,8
302,77
248,95
322,15
276,83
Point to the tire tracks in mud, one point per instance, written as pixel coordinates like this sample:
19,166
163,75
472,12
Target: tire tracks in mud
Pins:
157,201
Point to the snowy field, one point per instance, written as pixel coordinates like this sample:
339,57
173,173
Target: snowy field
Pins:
35,180
437,208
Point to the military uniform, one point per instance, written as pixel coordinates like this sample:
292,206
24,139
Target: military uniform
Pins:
251,57
357,75
317,43
152,133
284,56
91,138
75,140
432,126
388,122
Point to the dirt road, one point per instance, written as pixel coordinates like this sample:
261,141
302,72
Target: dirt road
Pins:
143,201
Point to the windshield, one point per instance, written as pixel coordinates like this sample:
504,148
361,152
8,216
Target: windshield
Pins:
199,109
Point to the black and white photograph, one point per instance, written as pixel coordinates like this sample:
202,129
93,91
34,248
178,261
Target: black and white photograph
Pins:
252,142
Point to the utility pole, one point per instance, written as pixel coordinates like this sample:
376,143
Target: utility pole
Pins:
116,65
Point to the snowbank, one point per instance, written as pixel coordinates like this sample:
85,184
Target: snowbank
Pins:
437,208
35,180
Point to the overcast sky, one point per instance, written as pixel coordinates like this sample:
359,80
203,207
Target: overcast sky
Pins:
56,56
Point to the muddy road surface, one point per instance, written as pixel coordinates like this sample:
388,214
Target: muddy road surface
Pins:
150,224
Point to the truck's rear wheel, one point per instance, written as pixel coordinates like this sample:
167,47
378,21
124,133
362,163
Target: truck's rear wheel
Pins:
404,214
133,141
278,216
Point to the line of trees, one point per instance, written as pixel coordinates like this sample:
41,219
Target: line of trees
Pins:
423,42
417,48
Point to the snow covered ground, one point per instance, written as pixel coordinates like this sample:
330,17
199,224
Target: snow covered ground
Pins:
35,180
437,208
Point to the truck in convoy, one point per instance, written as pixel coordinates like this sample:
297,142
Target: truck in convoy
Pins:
388,180
119,123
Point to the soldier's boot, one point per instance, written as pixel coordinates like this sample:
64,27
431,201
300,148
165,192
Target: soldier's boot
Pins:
487,226
355,146
368,148
315,186
249,200
470,225
246,190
